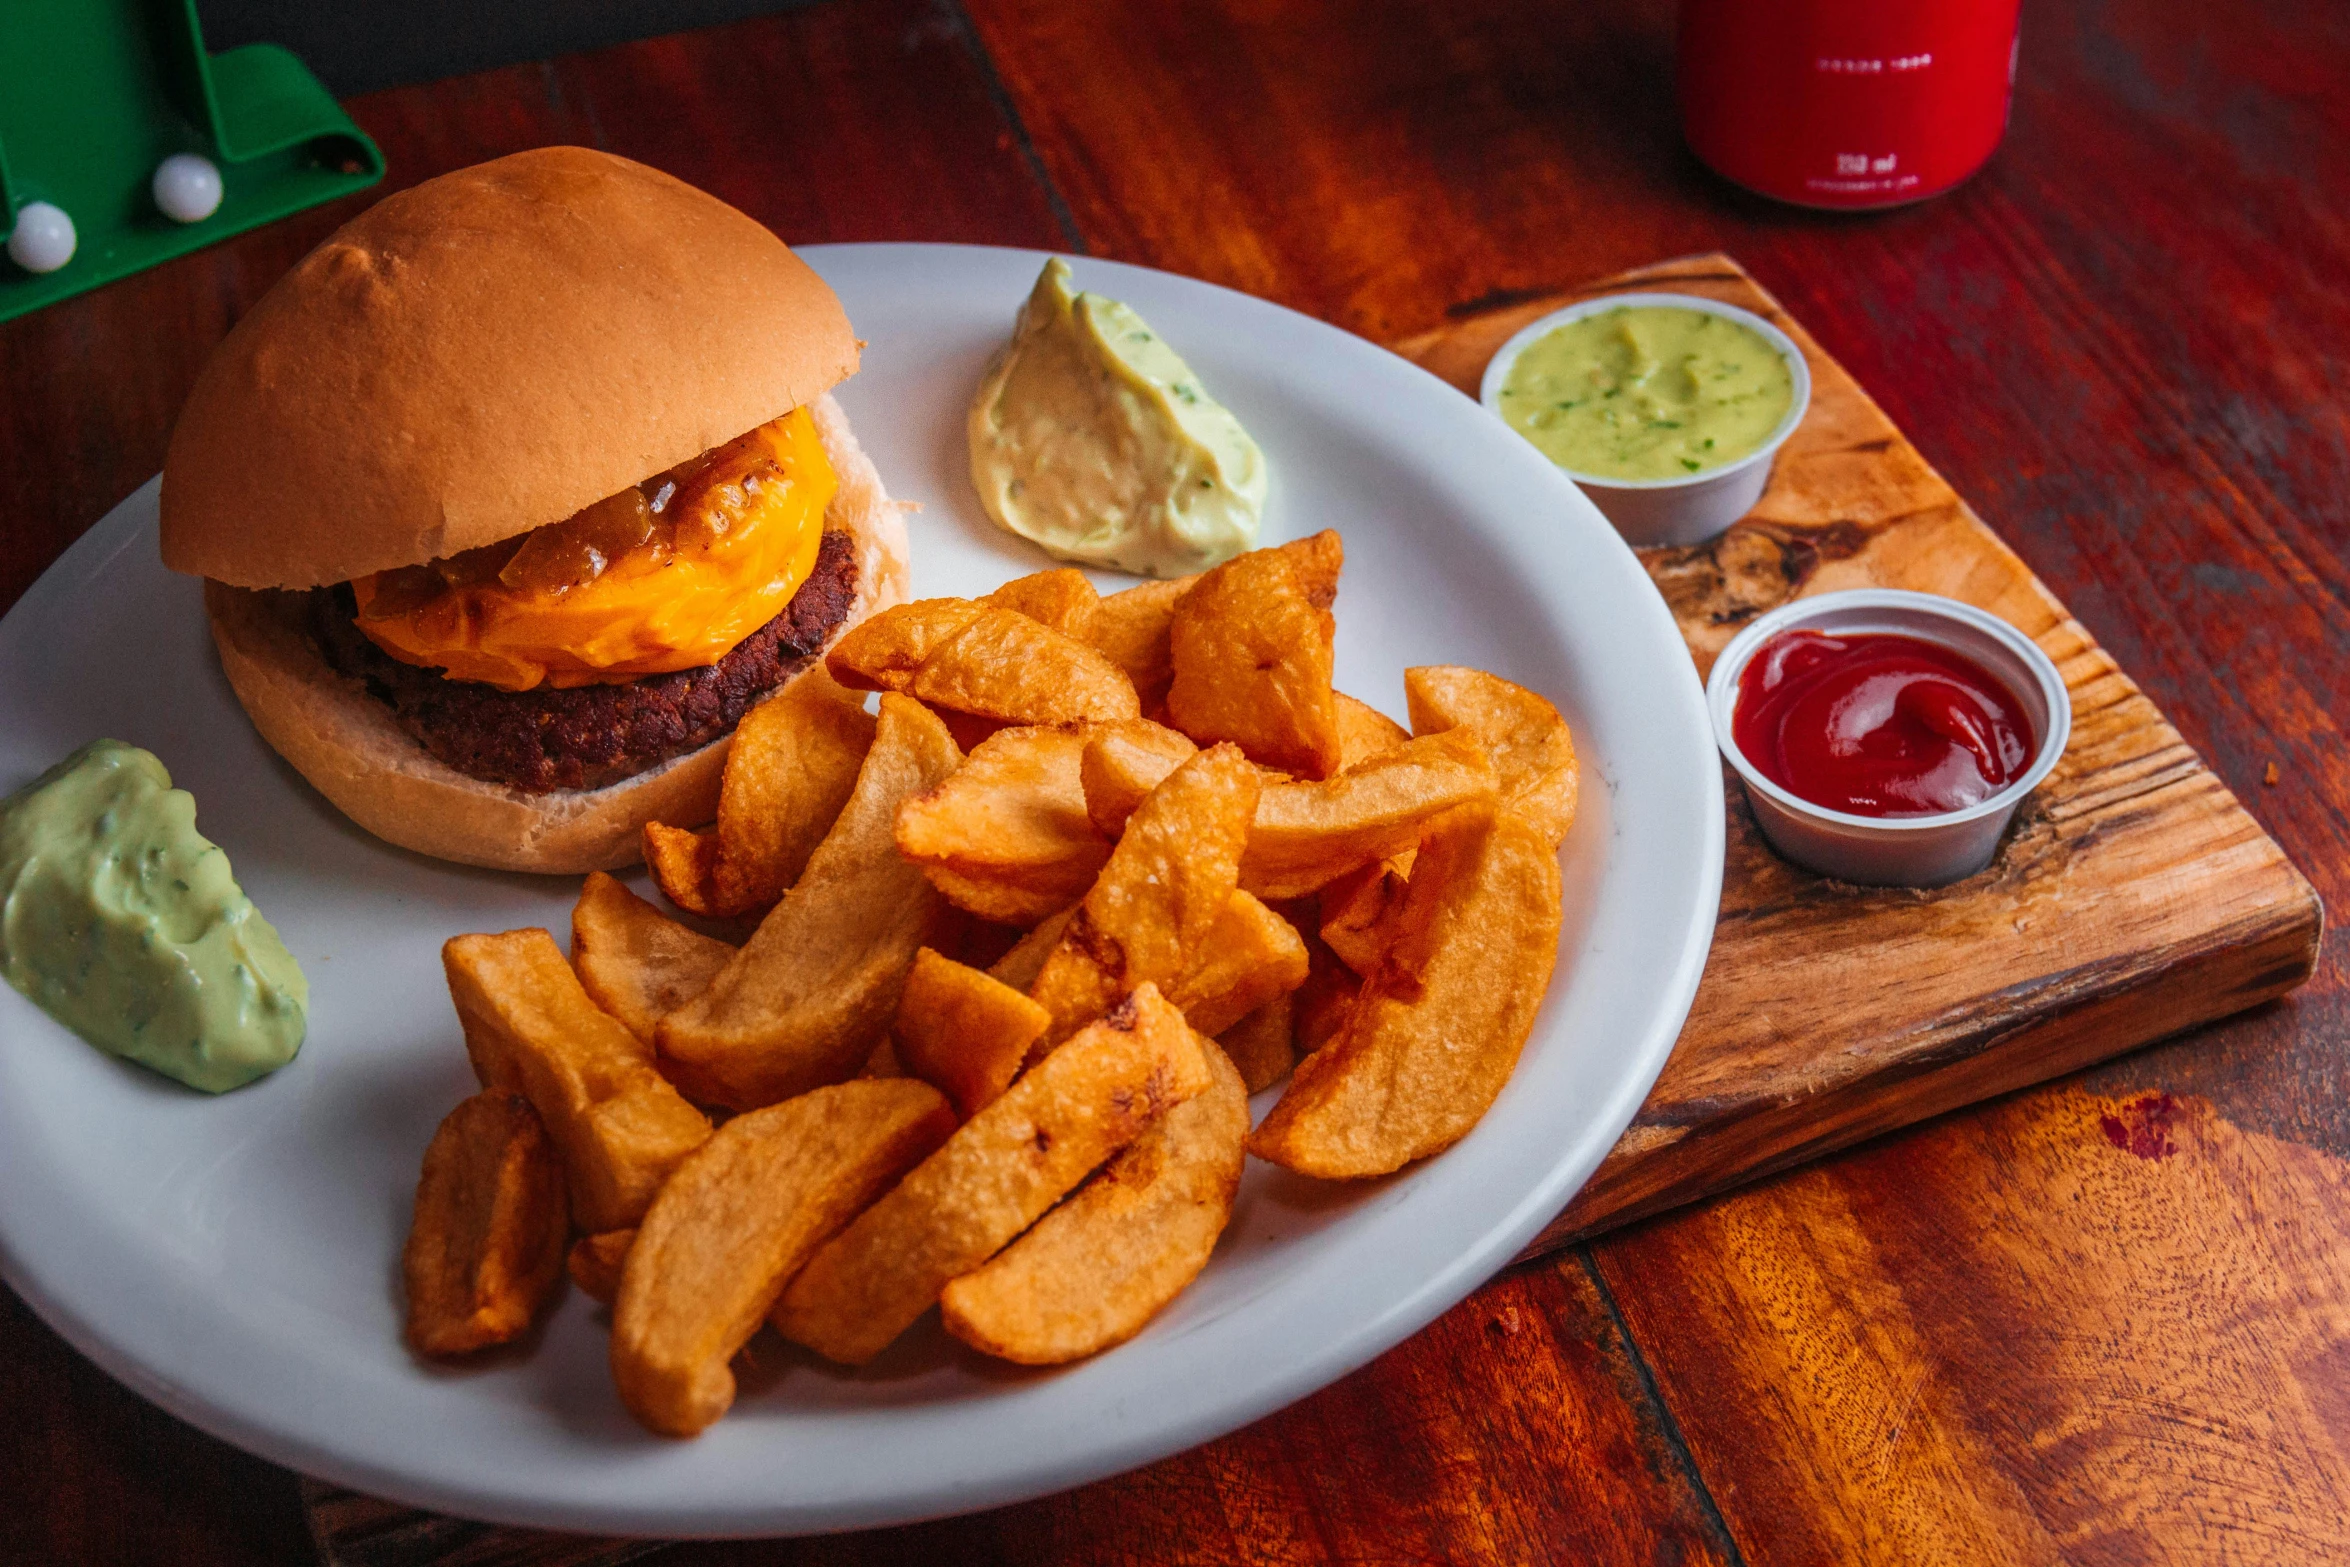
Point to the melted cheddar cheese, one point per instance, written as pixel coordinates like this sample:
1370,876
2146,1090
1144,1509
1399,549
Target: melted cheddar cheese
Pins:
669,576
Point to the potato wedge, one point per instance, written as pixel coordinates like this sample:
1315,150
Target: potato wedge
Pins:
485,1248
1316,560
684,864
1006,835
999,1172
1320,1006
1436,1032
1262,1045
1358,910
812,992
737,1220
1249,956
1063,599
595,1261
963,1032
1364,731
1019,967
1307,835
1014,670
1131,627
1123,763
1162,892
1093,1271
791,769
1252,659
636,962
530,1027
881,652
1304,834
1532,752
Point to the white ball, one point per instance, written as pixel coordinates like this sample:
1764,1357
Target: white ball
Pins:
187,187
43,238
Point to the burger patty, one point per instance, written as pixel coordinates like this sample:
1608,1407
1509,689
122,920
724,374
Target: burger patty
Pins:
586,737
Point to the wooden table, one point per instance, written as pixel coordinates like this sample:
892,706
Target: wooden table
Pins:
2105,1320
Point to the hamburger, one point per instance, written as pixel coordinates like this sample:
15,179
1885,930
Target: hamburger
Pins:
515,495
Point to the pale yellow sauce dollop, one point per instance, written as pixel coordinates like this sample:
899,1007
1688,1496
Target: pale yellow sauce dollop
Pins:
1090,436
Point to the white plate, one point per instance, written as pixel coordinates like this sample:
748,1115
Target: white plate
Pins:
235,1259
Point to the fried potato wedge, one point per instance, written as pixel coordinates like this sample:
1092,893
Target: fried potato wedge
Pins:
1248,957
1307,835
595,1261
812,992
1014,670
1436,1032
1252,659
1262,1045
1532,752
1063,599
1162,892
737,1220
1316,559
881,652
963,1032
1093,1271
1358,910
1131,627
1320,1006
1006,835
794,761
1364,731
999,1172
485,1249
634,961
684,864
1304,835
1123,763
530,1027
1019,967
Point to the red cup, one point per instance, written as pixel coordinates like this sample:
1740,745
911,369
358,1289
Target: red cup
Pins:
1846,103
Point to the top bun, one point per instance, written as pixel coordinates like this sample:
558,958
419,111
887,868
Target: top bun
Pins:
482,355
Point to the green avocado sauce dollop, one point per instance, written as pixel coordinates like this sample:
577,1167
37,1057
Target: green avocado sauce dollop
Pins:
1647,392
125,924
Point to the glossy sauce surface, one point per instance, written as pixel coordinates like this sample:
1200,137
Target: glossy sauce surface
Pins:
1879,724
1647,392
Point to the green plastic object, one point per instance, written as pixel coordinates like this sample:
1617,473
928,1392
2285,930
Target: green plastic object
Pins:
95,93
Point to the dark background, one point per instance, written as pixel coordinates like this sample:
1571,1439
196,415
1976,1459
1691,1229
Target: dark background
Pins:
357,46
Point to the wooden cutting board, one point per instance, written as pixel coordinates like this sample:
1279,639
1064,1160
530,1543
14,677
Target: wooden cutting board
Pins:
2134,897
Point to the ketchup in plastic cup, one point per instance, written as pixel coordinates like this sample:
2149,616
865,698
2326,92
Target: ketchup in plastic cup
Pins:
1846,103
1879,724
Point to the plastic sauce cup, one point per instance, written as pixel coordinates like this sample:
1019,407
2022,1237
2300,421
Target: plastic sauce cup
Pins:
1896,851
1689,508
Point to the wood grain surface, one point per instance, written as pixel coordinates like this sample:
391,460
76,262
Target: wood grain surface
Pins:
2087,1322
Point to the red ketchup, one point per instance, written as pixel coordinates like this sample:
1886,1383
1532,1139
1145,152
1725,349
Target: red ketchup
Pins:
1879,724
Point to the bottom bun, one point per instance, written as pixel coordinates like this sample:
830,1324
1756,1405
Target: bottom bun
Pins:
354,752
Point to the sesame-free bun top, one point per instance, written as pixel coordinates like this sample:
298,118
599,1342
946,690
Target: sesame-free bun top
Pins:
485,354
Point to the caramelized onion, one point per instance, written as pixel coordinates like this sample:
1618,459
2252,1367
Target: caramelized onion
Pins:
694,505
573,553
